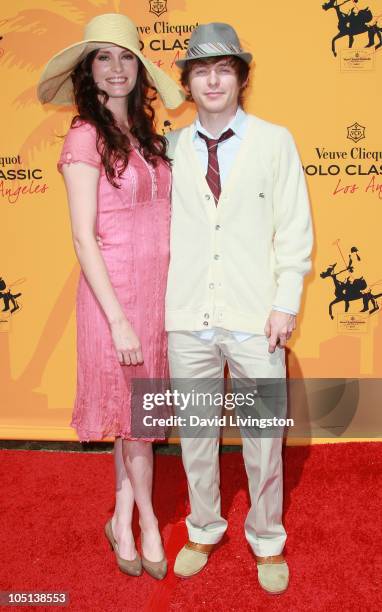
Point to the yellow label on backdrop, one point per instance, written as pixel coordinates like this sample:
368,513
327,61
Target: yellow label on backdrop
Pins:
352,323
357,60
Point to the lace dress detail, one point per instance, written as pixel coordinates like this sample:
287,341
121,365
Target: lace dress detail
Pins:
133,223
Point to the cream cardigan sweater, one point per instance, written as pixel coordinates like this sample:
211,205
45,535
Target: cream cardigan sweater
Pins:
230,263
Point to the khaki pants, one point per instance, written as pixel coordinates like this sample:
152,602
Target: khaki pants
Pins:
193,358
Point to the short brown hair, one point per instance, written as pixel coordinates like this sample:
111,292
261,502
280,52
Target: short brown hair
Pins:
239,65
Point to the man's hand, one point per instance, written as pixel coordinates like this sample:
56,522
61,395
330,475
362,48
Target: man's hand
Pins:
278,329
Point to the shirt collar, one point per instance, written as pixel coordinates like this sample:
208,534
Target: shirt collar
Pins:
237,124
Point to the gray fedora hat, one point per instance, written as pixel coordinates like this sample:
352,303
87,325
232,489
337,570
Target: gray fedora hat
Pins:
212,40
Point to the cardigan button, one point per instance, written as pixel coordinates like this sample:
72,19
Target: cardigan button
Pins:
207,196
216,257
217,227
68,156
205,323
211,285
206,316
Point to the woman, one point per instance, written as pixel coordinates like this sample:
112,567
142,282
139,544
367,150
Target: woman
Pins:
117,177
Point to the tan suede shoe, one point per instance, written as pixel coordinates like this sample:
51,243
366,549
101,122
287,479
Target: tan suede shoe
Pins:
273,573
133,567
156,569
192,558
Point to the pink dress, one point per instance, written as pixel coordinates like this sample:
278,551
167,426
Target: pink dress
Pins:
133,223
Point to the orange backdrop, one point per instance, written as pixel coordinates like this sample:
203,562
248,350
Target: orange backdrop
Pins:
331,103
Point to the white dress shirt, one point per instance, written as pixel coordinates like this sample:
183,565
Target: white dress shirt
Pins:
226,152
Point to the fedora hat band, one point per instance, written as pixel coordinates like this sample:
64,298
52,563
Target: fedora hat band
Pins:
215,48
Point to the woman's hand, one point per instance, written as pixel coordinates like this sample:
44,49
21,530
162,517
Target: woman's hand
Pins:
126,343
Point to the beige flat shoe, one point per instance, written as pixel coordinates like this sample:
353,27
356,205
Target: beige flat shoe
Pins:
192,558
134,567
156,569
273,573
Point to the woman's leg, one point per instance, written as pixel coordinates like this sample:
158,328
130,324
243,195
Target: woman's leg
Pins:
124,505
138,459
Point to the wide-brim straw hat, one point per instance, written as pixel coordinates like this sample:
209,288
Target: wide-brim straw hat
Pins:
55,85
213,40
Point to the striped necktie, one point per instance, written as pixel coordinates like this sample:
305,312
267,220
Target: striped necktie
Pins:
213,173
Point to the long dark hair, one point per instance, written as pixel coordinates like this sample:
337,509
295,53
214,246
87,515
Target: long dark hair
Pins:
113,146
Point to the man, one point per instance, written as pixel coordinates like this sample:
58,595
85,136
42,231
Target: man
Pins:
240,244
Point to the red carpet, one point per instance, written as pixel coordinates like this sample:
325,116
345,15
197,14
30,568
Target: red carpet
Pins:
54,506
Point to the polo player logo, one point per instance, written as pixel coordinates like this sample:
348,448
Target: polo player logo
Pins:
9,297
356,132
354,21
353,287
158,7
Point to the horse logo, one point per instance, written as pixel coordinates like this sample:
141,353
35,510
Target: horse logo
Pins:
9,298
350,289
356,21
